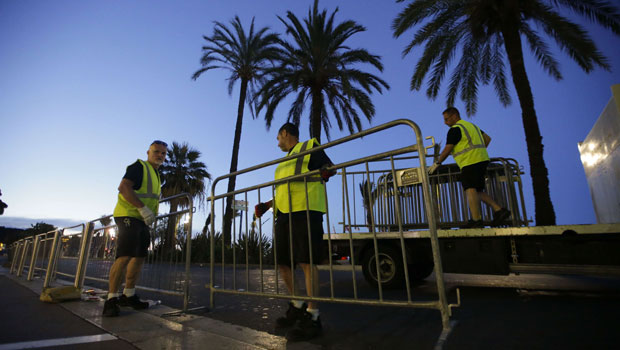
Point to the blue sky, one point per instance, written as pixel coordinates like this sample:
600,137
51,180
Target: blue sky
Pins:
87,85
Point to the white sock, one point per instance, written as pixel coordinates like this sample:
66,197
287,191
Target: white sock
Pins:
129,292
314,313
113,295
297,303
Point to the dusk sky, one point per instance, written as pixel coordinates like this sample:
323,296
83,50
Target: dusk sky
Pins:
87,85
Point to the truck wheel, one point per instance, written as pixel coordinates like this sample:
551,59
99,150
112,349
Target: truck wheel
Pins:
420,270
391,267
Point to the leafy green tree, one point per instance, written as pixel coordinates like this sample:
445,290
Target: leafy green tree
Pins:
489,33
319,66
182,172
38,228
246,56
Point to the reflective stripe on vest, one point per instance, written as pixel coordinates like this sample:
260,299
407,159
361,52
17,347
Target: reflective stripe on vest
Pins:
471,148
148,193
316,189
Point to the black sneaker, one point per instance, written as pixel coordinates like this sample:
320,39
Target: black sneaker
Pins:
473,224
110,308
133,301
305,329
293,314
500,216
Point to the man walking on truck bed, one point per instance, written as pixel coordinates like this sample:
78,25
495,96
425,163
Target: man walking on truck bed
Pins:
468,145
298,208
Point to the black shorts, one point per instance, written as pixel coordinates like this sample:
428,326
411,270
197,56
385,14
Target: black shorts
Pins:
301,248
472,176
133,237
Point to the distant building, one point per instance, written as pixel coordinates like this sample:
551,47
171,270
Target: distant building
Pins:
600,156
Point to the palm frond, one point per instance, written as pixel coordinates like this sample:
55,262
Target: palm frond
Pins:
597,11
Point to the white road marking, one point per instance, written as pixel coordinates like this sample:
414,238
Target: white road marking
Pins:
57,342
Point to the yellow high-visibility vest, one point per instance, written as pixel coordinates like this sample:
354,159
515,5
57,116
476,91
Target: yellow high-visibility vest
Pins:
470,149
316,188
149,193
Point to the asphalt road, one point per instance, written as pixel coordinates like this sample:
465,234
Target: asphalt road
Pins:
500,312
26,319
496,312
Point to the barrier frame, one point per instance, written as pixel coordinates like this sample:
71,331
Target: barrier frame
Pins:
440,304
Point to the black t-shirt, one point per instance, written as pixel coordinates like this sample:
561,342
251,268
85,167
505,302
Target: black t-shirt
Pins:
134,174
454,136
317,160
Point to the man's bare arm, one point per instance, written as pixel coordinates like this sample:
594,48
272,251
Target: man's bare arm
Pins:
126,189
487,139
445,153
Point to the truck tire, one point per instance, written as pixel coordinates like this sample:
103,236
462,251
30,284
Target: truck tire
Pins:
390,265
420,270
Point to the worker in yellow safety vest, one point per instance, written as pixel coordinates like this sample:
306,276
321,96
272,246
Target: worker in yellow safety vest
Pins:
468,146
135,211
295,202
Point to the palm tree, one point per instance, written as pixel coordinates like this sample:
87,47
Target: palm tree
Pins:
483,29
246,56
182,173
319,67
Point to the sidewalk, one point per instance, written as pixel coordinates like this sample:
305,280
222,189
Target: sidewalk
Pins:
27,319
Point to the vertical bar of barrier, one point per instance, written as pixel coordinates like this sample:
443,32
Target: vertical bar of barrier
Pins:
430,214
247,251
354,207
273,237
309,234
232,243
173,258
260,247
22,258
400,229
515,177
212,253
16,254
223,247
51,264
329,244
87,232
290,238
33,260
188,254
344,193
525,221
351,251
374,235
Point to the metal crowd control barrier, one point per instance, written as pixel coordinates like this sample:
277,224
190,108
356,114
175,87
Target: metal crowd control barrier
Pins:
239,241
67,246
24,246
88,253
503,183
166,269
15,253
40,253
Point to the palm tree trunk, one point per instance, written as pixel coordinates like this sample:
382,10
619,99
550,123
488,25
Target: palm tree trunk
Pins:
228,215
545,214
315,118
